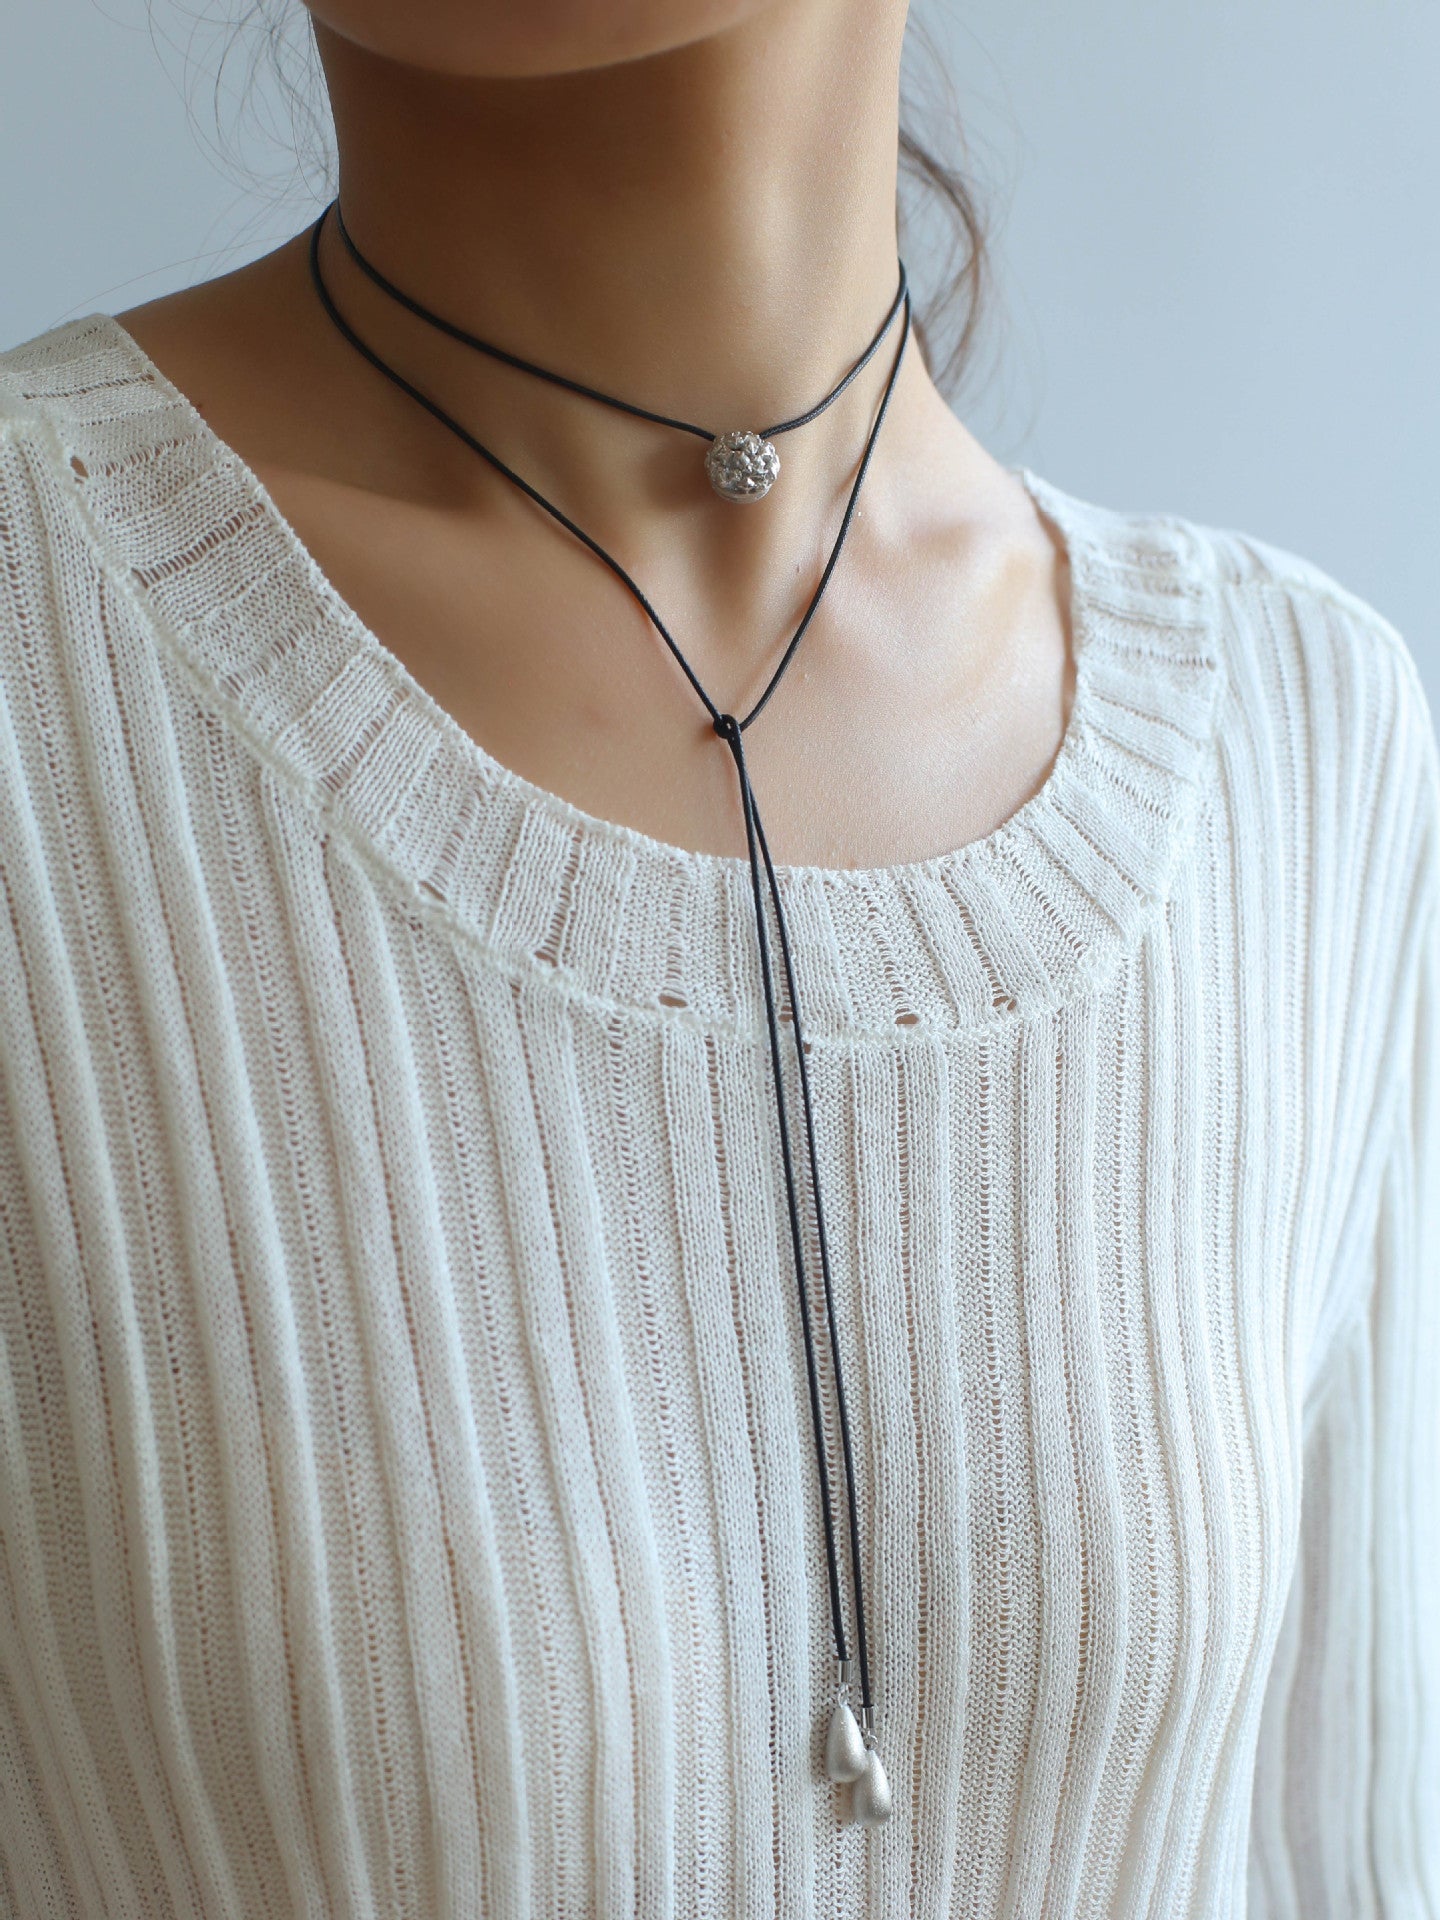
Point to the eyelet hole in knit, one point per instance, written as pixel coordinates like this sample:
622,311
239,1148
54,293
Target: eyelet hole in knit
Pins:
79,466
981,1253
673,1000
237,656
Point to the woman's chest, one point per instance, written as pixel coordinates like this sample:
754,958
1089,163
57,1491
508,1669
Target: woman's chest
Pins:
478,1446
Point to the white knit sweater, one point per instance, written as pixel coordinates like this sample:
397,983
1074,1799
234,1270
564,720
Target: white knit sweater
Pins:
408,1505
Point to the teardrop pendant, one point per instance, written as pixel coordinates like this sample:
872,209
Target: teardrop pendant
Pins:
870,1797
844,1746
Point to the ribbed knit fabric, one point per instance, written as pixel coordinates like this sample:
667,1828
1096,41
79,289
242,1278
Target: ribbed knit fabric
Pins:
408,1504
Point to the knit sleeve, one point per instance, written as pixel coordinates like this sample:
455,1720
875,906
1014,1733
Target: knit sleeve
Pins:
1345,1814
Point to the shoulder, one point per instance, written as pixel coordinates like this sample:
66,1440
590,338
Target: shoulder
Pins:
95,461
63,396
84,396
33,390
1276,605
1256,581
1259,594
1324,780
1324,672
1322,703
49,388
67,377
1332,755
93,449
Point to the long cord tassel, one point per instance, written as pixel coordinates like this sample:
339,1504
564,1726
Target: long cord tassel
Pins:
850,1752
871,1802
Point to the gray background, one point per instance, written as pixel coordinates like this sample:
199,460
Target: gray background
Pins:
1215,231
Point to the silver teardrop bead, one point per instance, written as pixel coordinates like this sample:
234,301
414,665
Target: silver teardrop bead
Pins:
870,1796
844,1746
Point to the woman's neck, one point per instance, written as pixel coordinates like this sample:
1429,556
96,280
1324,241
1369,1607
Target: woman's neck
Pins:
709,231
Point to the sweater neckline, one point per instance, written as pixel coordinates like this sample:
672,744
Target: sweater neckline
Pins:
1006,926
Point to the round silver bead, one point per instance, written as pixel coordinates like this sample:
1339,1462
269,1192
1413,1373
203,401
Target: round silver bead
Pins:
741,466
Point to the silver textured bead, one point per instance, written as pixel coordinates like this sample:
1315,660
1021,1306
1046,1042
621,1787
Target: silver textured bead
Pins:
741,466
844,1747
870,1796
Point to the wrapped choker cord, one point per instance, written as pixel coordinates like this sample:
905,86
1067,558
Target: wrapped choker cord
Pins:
849,1749
741,465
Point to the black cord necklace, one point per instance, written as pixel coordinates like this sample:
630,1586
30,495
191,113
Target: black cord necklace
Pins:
741,462
850,1753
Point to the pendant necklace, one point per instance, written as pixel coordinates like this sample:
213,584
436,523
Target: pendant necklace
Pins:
742,466
740,462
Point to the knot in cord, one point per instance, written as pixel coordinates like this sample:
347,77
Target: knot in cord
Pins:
728,728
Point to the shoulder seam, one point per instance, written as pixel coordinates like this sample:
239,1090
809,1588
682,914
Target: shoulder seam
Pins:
1197,553
1336,595
1313,582
1329,593
1374,623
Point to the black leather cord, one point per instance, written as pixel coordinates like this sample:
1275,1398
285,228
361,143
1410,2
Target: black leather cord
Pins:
593,393
729,729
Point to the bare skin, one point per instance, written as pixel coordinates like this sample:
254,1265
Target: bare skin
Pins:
689,203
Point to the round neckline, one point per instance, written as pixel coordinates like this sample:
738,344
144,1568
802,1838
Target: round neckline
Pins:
1005,925
540,798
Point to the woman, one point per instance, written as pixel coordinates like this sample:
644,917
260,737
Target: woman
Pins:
542,1375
